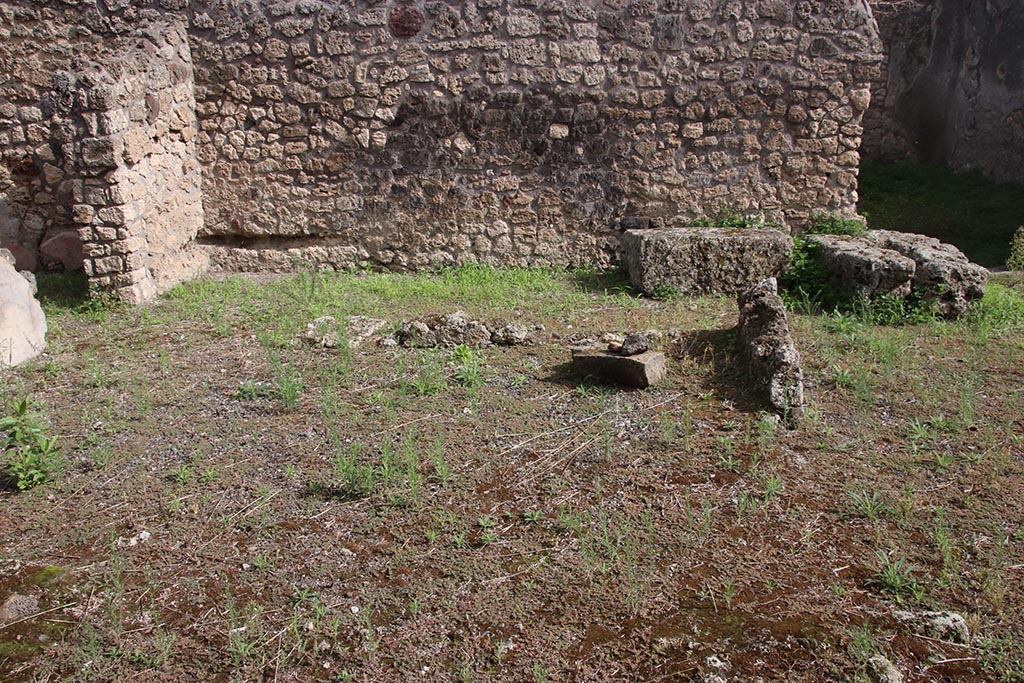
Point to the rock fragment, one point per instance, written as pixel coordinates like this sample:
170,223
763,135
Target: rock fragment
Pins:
771,357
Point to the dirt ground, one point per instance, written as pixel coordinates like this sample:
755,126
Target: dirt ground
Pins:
236,504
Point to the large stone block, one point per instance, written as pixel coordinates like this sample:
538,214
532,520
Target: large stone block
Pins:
944,273
703,260
22,323
864,269
771,356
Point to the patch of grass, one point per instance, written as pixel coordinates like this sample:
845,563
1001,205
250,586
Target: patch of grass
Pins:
1016,258
966,209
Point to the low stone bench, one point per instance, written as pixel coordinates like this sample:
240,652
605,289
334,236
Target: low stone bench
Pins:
696,260
895,263
864,269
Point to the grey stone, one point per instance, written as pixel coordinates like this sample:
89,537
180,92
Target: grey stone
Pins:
359,328
22,322
884,671
864,269
17,607
450,329
697,260
948,626
771,356
640,371
634,343
943,271
511,335
322,332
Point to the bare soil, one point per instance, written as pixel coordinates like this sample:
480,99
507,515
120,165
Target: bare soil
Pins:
423,515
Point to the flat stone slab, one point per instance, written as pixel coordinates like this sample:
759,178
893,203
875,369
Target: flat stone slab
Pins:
862,268
641,370
696,260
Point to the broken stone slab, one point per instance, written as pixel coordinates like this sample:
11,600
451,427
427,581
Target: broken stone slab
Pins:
22,322
457,328
640,371
944,273
864,269
696,260
771,356
450,329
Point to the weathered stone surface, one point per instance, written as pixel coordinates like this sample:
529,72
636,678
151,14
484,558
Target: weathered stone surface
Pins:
634,343
883,670
18,606
22,323
864,269
943,271
411,135
703,260
772,359
640,371
948,626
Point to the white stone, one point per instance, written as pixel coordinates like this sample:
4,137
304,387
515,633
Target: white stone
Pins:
22,323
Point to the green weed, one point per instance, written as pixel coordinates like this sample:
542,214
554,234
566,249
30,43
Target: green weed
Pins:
32,456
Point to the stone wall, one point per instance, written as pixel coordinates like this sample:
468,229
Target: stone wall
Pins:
951,90
101,171
140,207
407,133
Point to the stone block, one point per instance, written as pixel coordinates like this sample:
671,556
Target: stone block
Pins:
771,357
696,260
864,269
22,322
641,370
944,273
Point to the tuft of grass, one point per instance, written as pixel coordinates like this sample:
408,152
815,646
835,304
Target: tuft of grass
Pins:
895,576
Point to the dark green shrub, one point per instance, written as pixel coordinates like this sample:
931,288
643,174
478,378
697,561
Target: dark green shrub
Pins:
831,224
1016,260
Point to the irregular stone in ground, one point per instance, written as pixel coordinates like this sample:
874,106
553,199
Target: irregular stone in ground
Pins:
511,335
771,356
634,343
703,260
943,271
22,323
18,607
864,269
948,626
884,671
641,370
456,328
359,328
322,332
